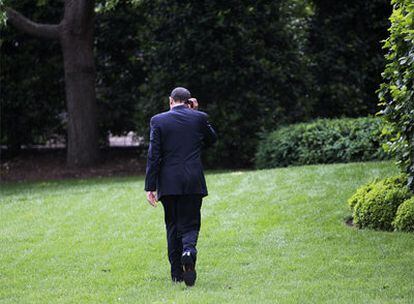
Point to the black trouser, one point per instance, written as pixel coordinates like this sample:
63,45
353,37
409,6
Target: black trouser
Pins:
182,220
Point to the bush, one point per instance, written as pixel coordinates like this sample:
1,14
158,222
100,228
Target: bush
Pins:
397,92
404,219
322,141
375,205
360,194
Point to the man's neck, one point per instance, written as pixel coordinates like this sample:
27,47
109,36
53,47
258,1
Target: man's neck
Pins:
177,104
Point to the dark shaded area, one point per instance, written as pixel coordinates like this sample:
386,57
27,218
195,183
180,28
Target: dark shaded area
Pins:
254,66
32,86
238,58
346,56
32,96
47,164
119,69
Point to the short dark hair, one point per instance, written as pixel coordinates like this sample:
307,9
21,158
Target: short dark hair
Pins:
180,94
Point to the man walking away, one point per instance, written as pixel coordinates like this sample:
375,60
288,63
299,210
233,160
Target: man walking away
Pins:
175,176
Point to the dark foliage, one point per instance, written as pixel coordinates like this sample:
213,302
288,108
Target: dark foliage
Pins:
32,94
345,54
32,91
253,65
238,58
119,67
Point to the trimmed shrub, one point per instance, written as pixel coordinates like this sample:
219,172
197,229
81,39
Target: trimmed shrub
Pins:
322,141
360,194
375,205
404,219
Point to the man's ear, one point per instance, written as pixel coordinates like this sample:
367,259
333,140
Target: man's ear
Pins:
171,100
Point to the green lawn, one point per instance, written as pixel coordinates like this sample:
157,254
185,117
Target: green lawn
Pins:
271,236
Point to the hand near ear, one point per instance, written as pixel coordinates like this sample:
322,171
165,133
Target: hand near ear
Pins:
193,104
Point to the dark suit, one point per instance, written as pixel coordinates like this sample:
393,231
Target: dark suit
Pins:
175,171
174,156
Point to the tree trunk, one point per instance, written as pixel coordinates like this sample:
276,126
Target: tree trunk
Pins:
80,75
75,32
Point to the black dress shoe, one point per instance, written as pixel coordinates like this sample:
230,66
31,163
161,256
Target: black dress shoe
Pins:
189,272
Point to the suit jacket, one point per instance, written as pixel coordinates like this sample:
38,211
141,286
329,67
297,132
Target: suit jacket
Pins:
174,155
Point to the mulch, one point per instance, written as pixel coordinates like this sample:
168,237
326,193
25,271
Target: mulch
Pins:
50,164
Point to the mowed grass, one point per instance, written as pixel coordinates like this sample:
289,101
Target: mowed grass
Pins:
270,236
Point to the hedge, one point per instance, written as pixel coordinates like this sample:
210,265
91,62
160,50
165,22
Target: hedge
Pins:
322,141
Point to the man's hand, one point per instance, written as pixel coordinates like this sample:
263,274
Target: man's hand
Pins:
152,198
194,104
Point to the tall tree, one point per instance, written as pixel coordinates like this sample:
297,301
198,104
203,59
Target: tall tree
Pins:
27,96
75,33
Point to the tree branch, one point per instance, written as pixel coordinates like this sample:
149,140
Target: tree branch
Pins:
24,24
